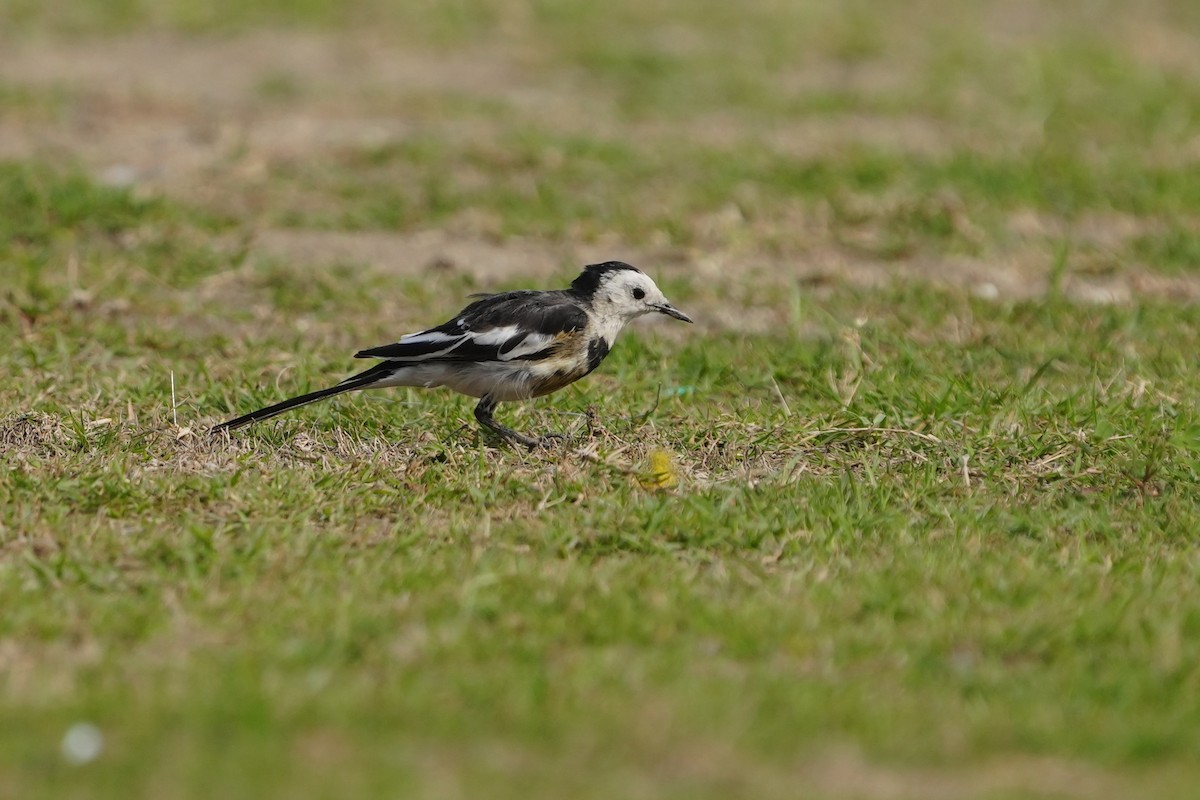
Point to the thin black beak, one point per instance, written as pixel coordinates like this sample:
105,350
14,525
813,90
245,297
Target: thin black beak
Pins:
672,311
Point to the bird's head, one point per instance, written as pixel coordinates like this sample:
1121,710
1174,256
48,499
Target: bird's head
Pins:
616,289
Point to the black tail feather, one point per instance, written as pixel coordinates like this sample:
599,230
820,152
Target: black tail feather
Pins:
360,381
279,408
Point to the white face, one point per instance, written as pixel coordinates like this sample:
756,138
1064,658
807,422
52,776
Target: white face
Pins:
628,293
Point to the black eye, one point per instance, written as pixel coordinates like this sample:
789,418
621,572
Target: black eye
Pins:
638,294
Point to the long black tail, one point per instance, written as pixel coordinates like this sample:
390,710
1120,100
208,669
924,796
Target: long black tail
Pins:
359,381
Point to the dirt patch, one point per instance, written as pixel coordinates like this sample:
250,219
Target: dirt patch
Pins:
845,773
1022,273
154,69
437,251
174,113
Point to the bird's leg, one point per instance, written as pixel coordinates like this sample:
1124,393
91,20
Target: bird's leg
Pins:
483,413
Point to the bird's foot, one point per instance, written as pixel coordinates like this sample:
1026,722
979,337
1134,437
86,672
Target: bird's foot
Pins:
483,413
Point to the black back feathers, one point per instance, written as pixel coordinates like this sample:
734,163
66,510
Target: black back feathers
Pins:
489,329
589,280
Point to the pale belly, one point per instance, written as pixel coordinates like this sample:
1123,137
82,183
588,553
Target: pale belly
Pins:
502,381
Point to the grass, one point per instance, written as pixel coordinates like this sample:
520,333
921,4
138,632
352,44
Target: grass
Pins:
562,187
918,540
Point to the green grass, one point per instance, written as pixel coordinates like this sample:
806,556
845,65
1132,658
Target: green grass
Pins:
920,543
1175,250
367,581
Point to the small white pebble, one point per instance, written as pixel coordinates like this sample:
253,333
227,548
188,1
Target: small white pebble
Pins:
986,291
82,743
119,176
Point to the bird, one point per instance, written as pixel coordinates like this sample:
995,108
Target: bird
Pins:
507,346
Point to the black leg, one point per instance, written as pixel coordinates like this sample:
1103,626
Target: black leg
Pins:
483,413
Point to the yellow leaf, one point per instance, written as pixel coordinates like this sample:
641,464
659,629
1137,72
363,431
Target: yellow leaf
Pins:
661,474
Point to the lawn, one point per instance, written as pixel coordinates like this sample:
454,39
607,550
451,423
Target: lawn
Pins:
910,512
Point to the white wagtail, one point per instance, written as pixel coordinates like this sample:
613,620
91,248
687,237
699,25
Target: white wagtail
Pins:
507,346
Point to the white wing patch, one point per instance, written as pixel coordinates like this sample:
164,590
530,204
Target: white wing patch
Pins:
428,337
510,342
432,344
496,336
533,343
502,344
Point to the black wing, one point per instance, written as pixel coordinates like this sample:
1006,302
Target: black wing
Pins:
500,327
